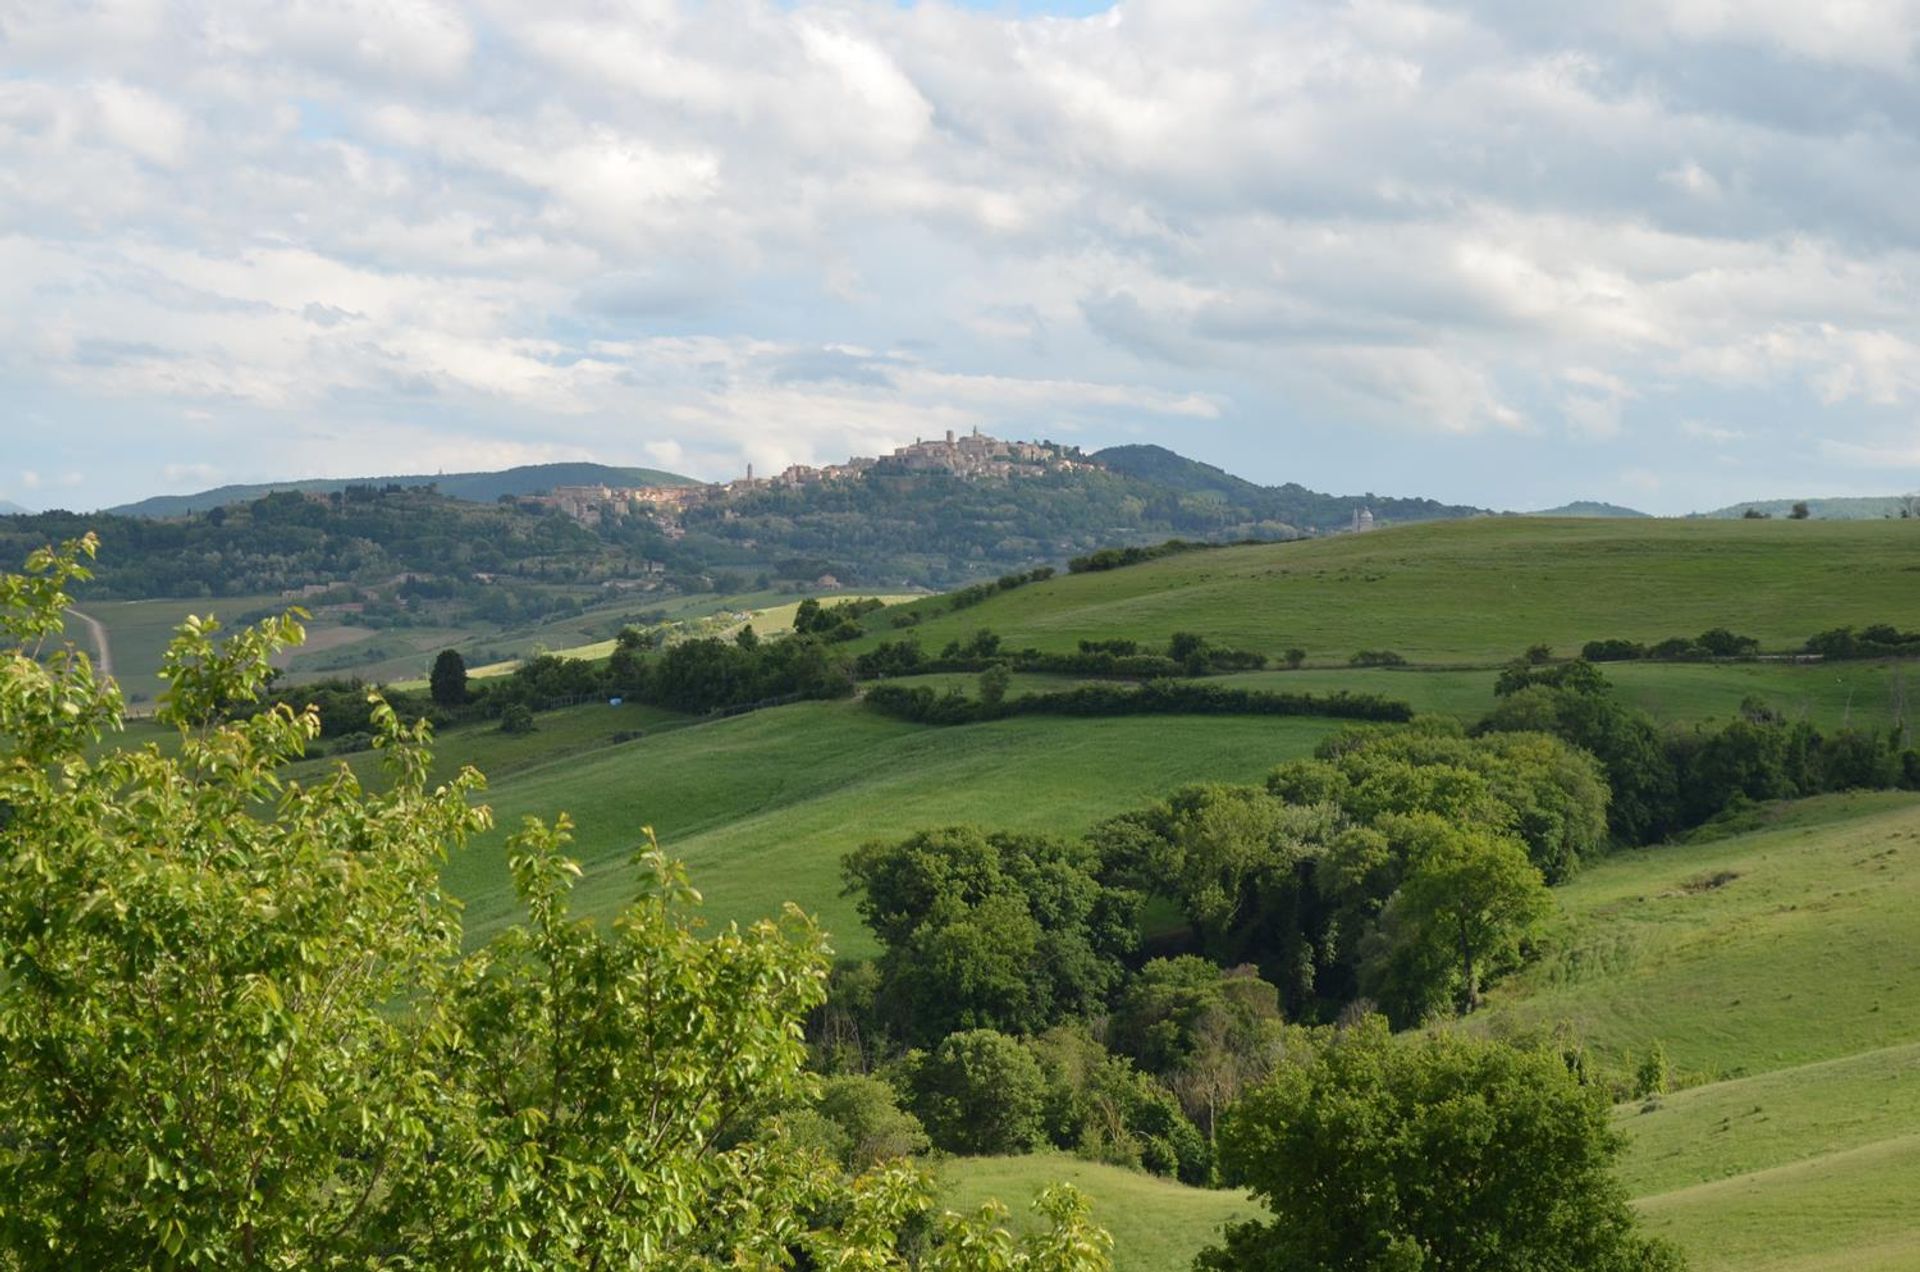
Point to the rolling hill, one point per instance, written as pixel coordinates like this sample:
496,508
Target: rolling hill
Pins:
475,487
10,509
1867,508
1589,508
1292,503
1474,591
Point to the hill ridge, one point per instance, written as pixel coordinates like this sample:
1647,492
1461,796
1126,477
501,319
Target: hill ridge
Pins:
473,487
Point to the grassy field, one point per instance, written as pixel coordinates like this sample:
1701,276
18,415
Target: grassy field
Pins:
1479,590
139,632
1777,968
1774,961
763,806
1830,695
1783,946
1157,1225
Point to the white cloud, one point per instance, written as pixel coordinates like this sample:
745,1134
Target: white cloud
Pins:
1708,431
503,226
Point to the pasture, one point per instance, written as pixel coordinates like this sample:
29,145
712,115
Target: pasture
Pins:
763,806
1776,967
1157,1225
1476,591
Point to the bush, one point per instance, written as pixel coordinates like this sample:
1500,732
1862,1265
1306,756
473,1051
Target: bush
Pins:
1613,650
1881,640
1377,658
1115,558
517,719
868,1115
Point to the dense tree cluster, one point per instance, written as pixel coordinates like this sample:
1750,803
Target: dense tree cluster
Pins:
1877,640
922,705
373,537
1664,781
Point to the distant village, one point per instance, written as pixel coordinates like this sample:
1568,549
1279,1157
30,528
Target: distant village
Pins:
971,457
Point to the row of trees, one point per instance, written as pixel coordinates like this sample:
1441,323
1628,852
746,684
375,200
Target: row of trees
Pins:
1667,780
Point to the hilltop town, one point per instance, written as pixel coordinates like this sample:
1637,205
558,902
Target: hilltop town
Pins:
972,457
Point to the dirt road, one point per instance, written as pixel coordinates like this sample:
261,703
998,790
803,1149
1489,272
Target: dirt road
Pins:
102,650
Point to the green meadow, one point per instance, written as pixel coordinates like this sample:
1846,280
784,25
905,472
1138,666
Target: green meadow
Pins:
1475,591
1156,1224
762,807
1776,967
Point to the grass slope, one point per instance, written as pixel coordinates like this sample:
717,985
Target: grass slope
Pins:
1780,961
763,806
1157,1225
1830,695
1478,590
1784,946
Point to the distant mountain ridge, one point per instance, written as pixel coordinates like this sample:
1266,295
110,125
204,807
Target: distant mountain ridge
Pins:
10,509
528,479
1590,508
1846,508
1291,503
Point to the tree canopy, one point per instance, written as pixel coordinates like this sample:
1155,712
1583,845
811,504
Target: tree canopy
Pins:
1431,1151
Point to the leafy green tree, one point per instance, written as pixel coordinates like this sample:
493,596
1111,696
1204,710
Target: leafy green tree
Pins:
869,1111
1799,512
238,1028
1099,1106
448,680
1429,1152
993,684
1469,893
980,1091
1209,1033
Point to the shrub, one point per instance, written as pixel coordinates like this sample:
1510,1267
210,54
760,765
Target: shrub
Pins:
517,719
1613,650
1376,658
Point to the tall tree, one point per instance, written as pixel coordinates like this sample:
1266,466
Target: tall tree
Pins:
448,681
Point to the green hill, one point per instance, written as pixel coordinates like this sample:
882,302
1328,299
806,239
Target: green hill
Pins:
1291,503
529,479
1474,591
1589,508
1157,1225
1867,508
762,807
1773,966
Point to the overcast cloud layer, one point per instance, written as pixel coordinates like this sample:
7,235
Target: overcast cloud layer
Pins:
1508,252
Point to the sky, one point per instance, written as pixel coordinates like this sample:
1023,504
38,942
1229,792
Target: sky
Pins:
1498,252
